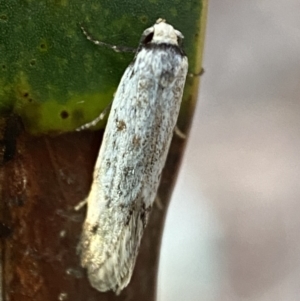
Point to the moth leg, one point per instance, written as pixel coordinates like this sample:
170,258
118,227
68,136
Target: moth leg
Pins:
202,71
95,121
80,205
99,43
158,203
179,133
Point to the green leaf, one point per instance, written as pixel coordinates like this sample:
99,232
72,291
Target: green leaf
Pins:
56,79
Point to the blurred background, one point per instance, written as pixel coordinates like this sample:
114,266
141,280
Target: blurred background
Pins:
233,227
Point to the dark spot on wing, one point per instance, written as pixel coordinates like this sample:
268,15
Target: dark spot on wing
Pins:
136,141
108,163
144,214
95,229
121,125
129,216
132,73
127,171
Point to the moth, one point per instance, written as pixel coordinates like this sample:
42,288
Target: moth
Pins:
135,145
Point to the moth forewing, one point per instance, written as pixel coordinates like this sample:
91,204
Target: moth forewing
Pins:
131,158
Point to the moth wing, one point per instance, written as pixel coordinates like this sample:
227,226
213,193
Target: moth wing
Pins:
111,269
112,233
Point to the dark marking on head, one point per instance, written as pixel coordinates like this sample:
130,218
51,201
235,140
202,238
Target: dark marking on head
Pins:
165,47
148,38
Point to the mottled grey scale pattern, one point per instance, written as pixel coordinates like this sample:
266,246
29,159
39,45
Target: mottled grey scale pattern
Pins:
132,155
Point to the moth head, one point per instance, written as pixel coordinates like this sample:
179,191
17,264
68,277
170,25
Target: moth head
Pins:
162,32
